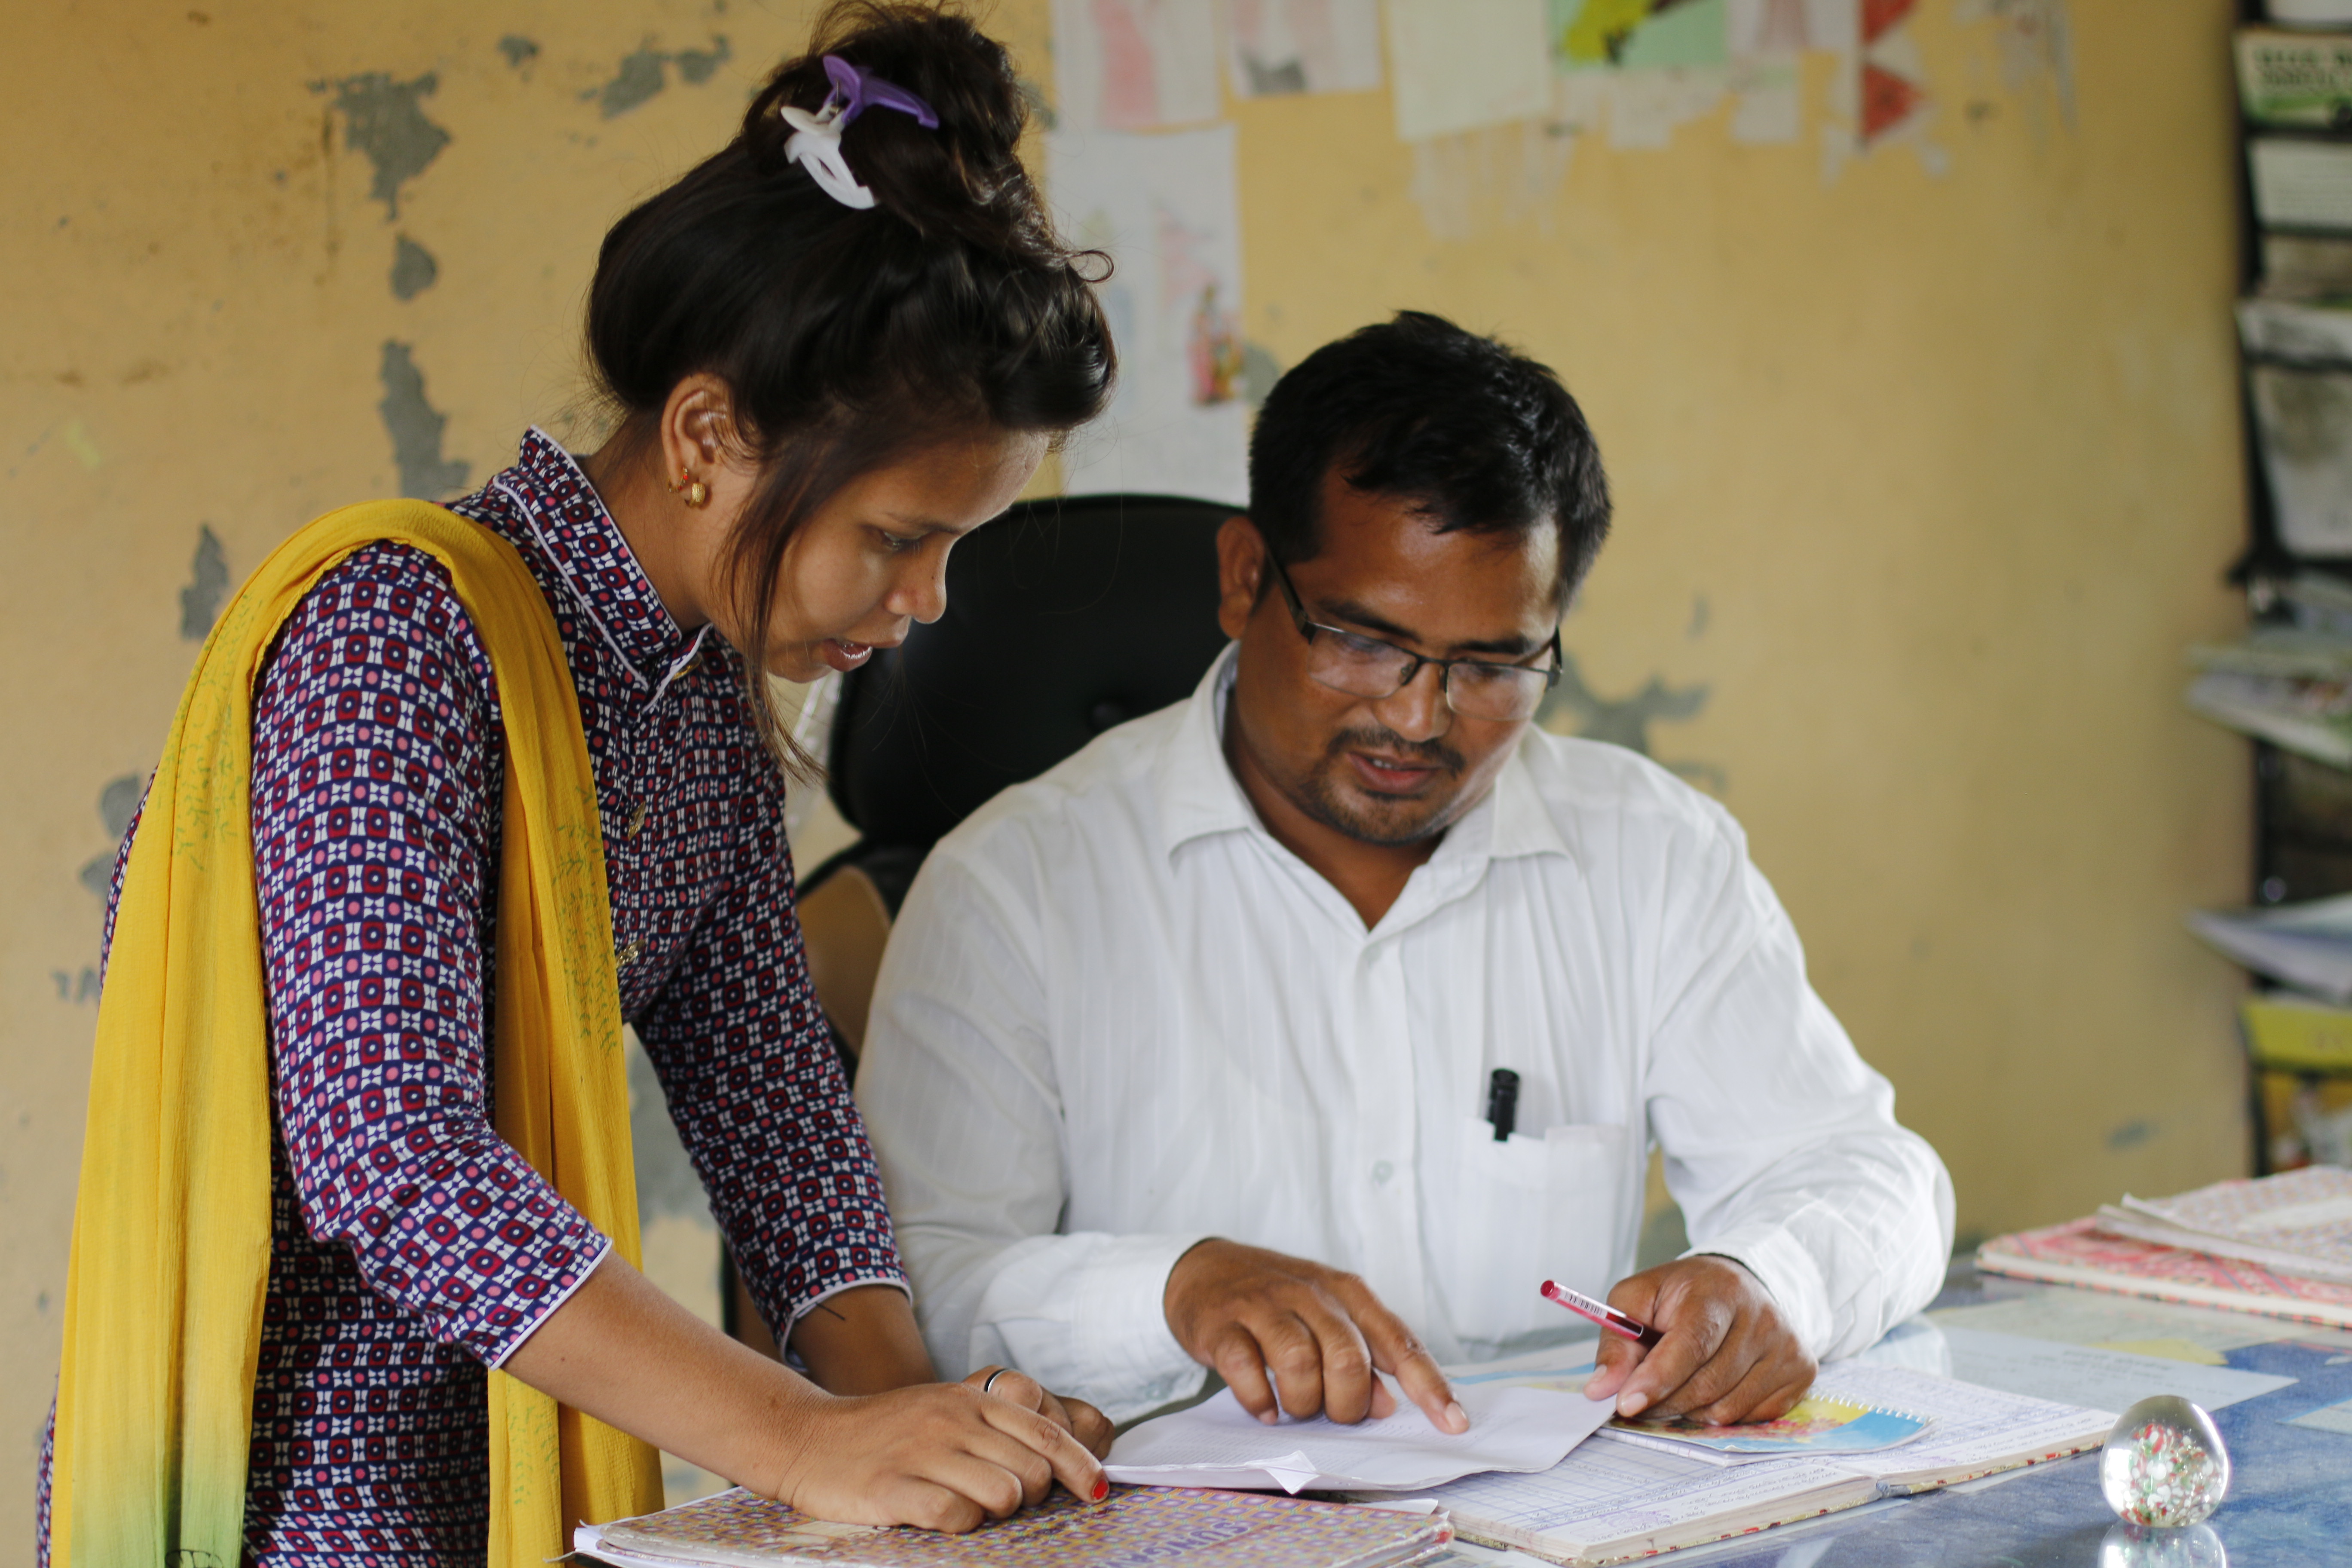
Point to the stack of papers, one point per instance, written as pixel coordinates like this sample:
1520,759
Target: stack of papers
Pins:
2288,684
2299,1223
1218,1444
2308,945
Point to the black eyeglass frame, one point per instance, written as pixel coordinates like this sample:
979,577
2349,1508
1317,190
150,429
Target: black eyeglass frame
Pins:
1307,627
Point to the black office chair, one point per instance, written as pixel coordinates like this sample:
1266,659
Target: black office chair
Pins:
1065,617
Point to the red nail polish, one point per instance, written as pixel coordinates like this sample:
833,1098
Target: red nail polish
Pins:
1102,1488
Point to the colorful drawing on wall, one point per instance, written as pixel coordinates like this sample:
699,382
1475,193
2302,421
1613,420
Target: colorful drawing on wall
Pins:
1894,90
1278,46
1645,68
1135,64
1460,65
1166,209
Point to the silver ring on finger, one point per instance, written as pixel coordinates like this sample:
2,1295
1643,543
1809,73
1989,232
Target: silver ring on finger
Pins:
990,1382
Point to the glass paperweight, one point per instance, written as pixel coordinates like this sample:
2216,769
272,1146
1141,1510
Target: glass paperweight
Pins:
2164,1466
2133,1546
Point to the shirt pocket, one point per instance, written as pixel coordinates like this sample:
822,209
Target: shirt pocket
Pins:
1532,1208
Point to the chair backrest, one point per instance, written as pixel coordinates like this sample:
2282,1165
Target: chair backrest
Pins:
1065,617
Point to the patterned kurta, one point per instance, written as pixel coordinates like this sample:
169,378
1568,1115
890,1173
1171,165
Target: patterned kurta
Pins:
411,1248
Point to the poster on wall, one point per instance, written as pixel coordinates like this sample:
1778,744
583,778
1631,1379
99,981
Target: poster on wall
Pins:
1135,64
1281,46
1464,63
1167,211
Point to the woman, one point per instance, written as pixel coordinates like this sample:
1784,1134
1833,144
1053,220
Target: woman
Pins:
836,346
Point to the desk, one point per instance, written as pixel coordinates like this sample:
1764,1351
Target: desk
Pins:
2290,1503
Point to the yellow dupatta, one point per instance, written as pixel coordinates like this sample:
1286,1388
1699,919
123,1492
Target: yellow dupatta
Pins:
171,1244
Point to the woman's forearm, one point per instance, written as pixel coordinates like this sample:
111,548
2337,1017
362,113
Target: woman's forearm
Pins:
875,1451
623,1352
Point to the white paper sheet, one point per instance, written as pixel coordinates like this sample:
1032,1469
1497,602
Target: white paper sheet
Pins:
2088,1374
1218,1444
1166,209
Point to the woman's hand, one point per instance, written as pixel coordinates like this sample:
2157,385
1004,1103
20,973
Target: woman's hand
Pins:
937,1456
1090,1425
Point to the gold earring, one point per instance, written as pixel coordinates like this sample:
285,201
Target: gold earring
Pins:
693,489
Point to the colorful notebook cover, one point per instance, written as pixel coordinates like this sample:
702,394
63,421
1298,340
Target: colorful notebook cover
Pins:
1157,1526
1820,1423
2078,1252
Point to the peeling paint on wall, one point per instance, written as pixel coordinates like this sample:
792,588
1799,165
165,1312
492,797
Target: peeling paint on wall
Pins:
1575,708
200,601
640,76
416,427
412,268
116,805
384,120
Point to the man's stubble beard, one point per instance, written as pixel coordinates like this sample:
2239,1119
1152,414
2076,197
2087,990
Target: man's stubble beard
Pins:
1318,796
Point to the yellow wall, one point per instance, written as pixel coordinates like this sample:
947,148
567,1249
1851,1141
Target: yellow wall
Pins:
1926,479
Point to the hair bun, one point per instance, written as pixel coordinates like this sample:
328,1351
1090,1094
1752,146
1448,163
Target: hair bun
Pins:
965,178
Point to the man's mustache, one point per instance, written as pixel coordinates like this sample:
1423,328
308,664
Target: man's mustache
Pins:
1436,753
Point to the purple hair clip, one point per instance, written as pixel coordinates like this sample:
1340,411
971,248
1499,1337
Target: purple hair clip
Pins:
860,90
815,142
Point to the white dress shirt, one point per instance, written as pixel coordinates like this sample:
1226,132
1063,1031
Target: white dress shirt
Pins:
1116,1016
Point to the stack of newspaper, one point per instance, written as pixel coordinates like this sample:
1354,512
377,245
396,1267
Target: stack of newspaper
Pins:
2290,684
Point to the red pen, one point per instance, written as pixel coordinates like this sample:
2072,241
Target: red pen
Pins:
1601,1312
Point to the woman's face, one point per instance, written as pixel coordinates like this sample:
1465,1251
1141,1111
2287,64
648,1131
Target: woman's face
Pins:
873,559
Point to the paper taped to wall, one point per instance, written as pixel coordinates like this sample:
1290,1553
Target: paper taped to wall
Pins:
1165,209
1463,64
1278,46
1135,64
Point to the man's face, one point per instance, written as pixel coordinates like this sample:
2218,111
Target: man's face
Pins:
1393,770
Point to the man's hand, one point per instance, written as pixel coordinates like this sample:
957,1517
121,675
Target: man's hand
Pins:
1317,1333
1726,1355
1090,1425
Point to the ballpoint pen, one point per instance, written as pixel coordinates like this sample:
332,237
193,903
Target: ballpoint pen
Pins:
1601,1312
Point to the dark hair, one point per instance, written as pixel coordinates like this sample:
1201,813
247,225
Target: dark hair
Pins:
1485,438
849,338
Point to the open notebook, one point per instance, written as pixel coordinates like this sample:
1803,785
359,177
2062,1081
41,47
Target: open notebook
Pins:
1609,1501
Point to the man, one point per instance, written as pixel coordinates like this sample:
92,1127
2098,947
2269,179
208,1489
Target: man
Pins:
1181,1055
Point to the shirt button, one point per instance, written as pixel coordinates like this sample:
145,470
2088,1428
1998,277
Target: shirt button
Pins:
637,822
628,955
1383,1171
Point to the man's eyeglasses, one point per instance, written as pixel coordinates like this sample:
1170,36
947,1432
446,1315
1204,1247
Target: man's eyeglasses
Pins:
1366,666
